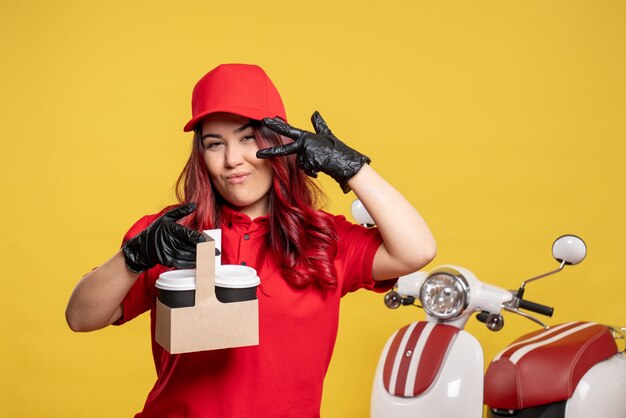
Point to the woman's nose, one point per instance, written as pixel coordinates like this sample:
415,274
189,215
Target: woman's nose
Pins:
234,156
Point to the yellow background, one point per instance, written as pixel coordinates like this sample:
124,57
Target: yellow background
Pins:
503,122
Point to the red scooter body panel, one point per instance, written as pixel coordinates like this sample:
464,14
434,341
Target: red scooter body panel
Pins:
405,376
545,366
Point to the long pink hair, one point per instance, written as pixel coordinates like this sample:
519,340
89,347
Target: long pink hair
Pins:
301,237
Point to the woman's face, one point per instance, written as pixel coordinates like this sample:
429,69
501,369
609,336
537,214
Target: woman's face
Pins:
229,149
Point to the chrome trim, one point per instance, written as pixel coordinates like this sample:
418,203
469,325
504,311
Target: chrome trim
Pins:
460,279
619,333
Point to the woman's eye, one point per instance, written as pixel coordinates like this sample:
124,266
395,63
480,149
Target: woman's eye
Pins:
248,138
212,145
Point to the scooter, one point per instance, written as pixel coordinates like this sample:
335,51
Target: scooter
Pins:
434,368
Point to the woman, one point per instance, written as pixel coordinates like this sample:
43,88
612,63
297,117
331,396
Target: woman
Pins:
246,175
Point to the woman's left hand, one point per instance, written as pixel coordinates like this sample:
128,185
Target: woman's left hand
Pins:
319,151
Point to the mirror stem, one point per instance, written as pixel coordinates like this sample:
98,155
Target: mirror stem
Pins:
520,292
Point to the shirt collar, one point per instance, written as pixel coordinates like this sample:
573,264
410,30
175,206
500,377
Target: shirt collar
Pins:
234,219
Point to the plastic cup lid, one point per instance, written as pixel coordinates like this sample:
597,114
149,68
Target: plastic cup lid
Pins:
177,280
236,276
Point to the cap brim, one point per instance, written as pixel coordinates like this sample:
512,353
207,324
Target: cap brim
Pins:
246,112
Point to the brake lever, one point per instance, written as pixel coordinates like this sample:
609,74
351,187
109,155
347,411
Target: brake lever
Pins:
524,314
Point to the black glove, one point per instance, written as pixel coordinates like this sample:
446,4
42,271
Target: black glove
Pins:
164,242
319,151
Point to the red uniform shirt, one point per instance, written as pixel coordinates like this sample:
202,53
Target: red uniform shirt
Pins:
284,374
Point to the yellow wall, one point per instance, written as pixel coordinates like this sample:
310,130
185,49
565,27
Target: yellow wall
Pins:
503,122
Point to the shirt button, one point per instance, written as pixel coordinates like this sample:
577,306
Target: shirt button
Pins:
243,263
246,237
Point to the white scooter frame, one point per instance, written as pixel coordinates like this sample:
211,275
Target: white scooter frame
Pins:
434,368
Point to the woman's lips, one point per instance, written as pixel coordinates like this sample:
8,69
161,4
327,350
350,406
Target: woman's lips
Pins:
237,178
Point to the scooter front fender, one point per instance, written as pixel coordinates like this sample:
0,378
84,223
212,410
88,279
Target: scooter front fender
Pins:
457,390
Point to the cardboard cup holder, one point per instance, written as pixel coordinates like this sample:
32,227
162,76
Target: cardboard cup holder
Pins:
209,324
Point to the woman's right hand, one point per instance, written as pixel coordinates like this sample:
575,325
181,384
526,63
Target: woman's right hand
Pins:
164,242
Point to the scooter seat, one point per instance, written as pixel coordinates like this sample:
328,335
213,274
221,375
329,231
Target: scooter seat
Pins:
545,366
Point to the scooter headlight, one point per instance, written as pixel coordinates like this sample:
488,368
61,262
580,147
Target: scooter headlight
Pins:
444,294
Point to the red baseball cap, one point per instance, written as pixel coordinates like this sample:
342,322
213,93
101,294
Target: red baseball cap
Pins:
241,89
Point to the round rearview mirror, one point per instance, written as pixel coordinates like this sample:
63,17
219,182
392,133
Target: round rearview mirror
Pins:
361,215
569,249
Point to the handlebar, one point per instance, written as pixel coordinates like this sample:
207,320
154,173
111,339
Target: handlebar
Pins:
536,307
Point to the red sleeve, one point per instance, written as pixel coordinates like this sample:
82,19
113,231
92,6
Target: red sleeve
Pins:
355,257
142,295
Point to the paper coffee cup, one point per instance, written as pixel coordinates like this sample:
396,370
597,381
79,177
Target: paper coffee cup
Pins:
235,283
177,288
